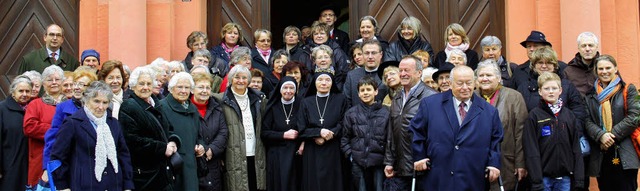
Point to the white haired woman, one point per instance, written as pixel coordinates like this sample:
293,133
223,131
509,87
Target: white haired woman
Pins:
13,144
185,123
243,109
38,117
90,147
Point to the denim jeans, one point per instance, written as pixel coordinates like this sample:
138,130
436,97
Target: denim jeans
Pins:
367,179
557,184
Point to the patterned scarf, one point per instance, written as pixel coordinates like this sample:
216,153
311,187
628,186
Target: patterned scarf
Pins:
449,48
604,97
491,99
229,50
105,145
555,107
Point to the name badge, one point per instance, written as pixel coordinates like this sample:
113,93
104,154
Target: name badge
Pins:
546,131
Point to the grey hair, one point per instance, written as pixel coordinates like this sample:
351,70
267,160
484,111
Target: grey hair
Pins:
19,79
238,53
416,59
327,49
53,69
179,76
491,64
413,23
234,71
587,35
139,71
490,41
160,62
457,52
278,54
461,67
289,29
95,89
202,53
33,75
199,66
126,68
175,64
373,21
428,72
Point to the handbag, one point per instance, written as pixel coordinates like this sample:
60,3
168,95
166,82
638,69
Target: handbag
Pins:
584,146
203,169
176,162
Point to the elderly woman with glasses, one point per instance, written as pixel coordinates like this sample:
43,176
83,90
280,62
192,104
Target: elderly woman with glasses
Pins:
81,80
38,117
13,143
513,113
214,130
184,121
147,134
243,108
90,147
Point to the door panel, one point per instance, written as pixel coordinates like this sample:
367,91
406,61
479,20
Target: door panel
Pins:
24,23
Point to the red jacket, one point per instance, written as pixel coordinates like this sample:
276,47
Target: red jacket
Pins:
37,120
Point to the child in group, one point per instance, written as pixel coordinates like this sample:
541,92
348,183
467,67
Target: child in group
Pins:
365,134
551,141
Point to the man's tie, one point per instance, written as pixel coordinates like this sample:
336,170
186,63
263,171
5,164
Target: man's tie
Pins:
461,110
53,58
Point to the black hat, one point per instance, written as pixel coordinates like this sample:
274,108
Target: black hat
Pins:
446,68
535,36
385,65
330,6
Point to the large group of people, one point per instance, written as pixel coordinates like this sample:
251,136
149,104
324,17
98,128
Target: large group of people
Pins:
321,113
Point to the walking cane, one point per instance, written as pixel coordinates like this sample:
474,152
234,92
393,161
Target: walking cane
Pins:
413,182
500,183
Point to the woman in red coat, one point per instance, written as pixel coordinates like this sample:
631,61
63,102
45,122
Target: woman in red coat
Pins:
37,120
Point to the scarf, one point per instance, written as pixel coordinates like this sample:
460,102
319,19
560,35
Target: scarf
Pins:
449,48
604,97
229,50
555,107
50,100
105,145
491,99
264,53
116,101
202,107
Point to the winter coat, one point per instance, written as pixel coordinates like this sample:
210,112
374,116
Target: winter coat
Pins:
397,50
398,151
37,120
624,123
13,146
441,58
365,134
552,146
342,38
508,72
75,148
63,110
235,162
185,123
459,152
147,133
513,113
39,59
339,58
214,133
581,74
527,84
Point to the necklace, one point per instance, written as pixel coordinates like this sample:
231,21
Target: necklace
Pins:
285,113
324,110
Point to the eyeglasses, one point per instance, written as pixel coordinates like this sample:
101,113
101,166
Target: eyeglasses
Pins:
50,80
52,35
264,40
80,84
370,53
203,88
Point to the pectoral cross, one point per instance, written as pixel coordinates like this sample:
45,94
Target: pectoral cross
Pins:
287,121
321,121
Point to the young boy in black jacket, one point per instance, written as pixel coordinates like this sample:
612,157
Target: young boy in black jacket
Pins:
551,141
365,134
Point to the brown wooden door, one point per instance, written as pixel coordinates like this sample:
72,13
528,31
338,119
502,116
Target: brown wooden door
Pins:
479,18
23,25
249,14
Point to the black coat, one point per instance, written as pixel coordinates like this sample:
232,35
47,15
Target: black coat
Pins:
339,58
365,134
13,146
342,38
398,49
527,84
147,133
440,59
214,133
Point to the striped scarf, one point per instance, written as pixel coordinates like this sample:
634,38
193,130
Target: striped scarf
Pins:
604,97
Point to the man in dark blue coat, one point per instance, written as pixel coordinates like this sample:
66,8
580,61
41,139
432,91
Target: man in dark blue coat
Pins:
456,137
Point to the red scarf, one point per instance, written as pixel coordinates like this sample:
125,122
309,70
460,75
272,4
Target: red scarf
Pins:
202,108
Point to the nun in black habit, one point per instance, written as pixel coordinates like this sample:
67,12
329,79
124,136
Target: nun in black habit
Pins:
280,136
320,127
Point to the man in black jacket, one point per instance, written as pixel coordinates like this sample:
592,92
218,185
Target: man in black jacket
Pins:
329,15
